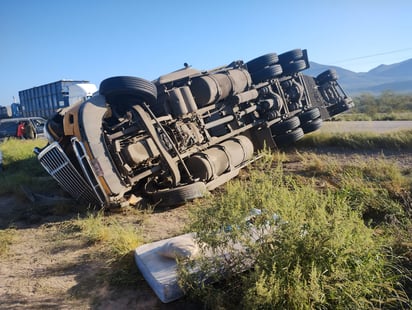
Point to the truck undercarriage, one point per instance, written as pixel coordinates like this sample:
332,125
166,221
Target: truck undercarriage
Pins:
172,139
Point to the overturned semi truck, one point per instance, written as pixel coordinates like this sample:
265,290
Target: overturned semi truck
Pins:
186,133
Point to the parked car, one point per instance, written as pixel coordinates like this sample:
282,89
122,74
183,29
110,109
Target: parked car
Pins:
8,126
189,131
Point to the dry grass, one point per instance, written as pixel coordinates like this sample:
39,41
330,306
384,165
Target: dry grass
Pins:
399,140
7,237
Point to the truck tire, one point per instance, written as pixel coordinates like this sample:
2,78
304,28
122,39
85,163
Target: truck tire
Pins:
128,89
289,137
293,67
327,76
261,62
337,109
290,56
312,125
285,126
309,115
266,74
178,195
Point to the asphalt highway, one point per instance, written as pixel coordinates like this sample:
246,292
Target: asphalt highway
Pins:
366,126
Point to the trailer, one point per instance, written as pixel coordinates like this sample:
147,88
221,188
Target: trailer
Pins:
46,99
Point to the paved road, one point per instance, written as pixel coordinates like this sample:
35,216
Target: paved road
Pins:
366,126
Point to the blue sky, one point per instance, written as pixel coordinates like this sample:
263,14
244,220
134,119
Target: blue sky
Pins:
43,41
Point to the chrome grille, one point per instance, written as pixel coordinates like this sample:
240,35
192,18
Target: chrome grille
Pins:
58,165
88,171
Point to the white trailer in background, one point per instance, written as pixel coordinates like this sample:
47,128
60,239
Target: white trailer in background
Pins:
81,92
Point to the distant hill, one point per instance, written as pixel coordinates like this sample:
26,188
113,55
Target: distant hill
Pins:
396,77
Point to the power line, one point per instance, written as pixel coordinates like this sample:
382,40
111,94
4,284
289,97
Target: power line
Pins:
373,55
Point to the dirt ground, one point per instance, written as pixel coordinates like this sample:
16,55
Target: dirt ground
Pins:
46,267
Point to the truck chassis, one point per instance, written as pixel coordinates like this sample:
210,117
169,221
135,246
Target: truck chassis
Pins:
173,139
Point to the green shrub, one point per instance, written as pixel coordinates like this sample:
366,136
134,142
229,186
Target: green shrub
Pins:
374,187
305,250
387,106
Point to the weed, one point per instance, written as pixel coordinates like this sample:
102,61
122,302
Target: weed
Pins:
374,186
15,151
400,140
119,238
118,241
22,167
307,249
6,239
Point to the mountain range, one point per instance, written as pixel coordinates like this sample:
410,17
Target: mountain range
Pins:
396,77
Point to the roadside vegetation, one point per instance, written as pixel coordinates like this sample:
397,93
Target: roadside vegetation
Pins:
326,233
7,236
21,166
399,140
333,237
388,106
116,239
